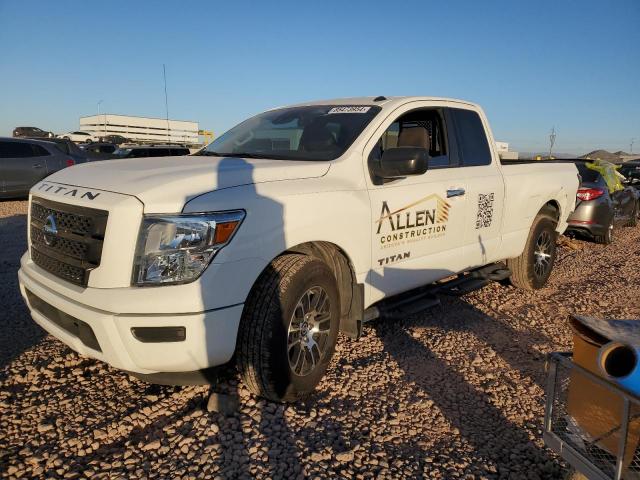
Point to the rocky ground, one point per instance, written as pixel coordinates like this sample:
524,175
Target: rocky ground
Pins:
455,392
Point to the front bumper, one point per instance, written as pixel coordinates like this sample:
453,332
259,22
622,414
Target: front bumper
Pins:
210,335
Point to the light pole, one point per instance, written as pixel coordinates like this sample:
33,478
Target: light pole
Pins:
631,146
99,103
552,141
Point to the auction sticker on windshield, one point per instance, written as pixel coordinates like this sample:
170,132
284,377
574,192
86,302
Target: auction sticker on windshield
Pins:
349,110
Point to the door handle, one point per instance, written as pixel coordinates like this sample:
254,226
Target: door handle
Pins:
38,165
455,192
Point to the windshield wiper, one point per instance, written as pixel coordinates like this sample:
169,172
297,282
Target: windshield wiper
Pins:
245,155
207,153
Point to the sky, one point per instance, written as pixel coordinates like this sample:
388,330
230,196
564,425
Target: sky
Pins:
532,65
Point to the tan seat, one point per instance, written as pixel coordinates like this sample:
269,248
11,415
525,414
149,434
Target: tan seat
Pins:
414,137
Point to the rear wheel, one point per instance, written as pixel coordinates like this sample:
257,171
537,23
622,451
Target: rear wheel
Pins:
532,268
607,238
633,219
289,328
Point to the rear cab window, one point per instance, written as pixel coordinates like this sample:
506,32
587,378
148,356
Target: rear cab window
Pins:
472,138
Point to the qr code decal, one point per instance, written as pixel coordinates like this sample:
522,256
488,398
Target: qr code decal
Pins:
485,210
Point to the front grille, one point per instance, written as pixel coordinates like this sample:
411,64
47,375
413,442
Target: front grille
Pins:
66,240
73,248
79,224
63,270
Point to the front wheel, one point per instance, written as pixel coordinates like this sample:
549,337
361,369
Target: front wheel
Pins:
531,270
289,328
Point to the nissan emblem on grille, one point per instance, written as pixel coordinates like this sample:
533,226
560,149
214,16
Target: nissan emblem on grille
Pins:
50,230
66,240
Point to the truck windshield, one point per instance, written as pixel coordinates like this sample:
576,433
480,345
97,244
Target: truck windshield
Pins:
319,132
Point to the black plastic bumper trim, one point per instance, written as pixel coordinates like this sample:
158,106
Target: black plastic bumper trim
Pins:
71,325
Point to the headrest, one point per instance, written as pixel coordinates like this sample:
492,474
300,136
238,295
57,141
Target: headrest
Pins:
414,137
316,137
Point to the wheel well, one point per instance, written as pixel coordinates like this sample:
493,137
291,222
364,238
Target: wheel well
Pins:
334,257
553,209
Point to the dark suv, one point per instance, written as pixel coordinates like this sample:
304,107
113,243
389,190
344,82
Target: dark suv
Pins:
24,162
116,139
598,210
31,132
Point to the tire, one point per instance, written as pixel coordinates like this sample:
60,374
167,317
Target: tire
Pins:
633,220
272,355
531,270
607,238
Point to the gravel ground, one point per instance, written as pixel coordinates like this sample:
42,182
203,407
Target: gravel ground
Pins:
454,392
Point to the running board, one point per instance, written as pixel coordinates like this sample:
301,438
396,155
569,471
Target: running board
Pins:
423,298
403,305
474,280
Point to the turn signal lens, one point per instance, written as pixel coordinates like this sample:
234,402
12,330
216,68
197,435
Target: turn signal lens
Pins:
224,231
70,162
586,194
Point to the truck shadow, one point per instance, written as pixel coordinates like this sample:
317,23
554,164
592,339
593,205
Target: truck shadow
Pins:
17,331
463,389
274,446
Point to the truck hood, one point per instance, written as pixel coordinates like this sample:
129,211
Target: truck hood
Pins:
165,184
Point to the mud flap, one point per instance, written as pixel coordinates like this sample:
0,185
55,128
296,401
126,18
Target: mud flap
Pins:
351,323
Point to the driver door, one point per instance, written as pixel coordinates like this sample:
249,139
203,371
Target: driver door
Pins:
418,222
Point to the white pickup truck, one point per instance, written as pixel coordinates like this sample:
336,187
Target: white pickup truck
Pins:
297,224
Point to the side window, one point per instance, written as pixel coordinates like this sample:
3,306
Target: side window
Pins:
15,150
39,151
140,152
472,138
419,128
5,149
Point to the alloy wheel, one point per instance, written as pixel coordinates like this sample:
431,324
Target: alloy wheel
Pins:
308,332
542,254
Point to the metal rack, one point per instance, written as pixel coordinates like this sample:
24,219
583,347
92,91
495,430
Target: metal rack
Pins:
592,423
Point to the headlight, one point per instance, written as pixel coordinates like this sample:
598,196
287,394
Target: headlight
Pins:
178,248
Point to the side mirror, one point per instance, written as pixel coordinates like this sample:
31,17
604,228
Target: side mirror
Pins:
402,162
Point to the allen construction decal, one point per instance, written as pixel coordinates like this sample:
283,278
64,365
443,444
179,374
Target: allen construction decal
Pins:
421,220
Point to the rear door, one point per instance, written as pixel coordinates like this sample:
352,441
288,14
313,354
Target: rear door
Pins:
484,187
21,166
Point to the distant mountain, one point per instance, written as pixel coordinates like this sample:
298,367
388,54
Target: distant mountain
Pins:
530,155
622,153
603,155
